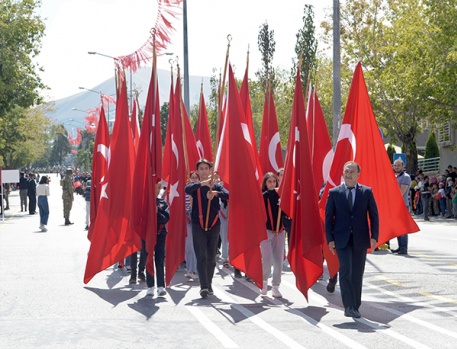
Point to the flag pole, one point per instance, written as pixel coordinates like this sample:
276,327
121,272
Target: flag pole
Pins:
186,155
219,114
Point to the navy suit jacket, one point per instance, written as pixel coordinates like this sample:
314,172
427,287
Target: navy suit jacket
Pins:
340,220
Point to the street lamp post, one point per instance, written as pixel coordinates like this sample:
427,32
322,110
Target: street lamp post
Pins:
130,70
100,93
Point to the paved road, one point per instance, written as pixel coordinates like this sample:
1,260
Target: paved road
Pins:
408,301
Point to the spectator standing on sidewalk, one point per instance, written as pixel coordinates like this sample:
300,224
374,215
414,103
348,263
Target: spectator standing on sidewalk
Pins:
42,191
23,189
404,182
31,193
87,198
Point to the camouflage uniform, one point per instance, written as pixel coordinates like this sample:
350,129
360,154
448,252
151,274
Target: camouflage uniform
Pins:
67,195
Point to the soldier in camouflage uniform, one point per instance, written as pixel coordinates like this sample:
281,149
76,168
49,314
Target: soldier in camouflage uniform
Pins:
67,194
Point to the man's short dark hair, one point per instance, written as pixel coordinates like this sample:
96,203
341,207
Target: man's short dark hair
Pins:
204,161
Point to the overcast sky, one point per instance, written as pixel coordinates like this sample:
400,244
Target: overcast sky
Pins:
120,27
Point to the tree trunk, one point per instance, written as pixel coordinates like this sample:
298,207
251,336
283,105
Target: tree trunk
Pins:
411,156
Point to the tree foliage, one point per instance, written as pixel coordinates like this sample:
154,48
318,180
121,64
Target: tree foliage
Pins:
397,40
60,147
306,48
431,147
267,48
21,31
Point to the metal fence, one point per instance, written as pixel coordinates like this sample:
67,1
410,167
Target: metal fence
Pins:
429,165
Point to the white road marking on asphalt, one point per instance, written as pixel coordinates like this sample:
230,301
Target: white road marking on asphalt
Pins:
289,342
212,328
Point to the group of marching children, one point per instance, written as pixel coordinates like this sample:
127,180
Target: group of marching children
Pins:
207,217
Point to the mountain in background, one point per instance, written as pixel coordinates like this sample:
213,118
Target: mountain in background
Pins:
64,113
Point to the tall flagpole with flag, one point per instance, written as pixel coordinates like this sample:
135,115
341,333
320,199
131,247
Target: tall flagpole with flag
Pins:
360,141
299,200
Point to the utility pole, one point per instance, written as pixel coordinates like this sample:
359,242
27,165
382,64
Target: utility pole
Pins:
336,72
186,60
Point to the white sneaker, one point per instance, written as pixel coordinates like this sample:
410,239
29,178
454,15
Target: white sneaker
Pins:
161,291
264,289
195,276
150,291
275,292
189,275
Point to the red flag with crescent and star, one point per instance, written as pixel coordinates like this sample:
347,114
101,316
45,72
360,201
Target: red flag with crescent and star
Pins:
100,163
148,172
244,232
270,145
177,226
112,238
202,134
300,202
360,141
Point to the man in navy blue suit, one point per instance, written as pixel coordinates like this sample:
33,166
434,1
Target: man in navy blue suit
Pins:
350,233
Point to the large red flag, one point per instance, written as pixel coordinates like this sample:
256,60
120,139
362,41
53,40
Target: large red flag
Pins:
100,162
319,140
248,126
270,146
244,232
112,238
177,227
191,155
299,200
321,158
360,141
202,135
167,151
148,172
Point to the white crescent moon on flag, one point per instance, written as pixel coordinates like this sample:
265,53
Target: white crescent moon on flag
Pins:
272,151
174,149
104,150
346,133
200,149
297,139
327,164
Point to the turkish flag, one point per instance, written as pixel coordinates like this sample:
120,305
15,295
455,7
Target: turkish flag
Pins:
148,168
202,134
177,226
299,200
360,141
100,162
319,140
191,155
244,232
321,158
134,123
249,128
167,148
112,238
270,146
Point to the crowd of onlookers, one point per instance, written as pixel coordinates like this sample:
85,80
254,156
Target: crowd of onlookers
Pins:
434,195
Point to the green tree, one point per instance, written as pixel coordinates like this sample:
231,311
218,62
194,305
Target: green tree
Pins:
384,34
267,48
60,147
306,48
431,147
21,31
390,152
24,135
164,120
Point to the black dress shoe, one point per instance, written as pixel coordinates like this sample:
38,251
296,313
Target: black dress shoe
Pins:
404,253
238,274
395,251
351,312
331,284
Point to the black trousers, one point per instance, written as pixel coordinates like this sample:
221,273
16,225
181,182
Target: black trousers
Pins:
32,203
352,266
205,246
